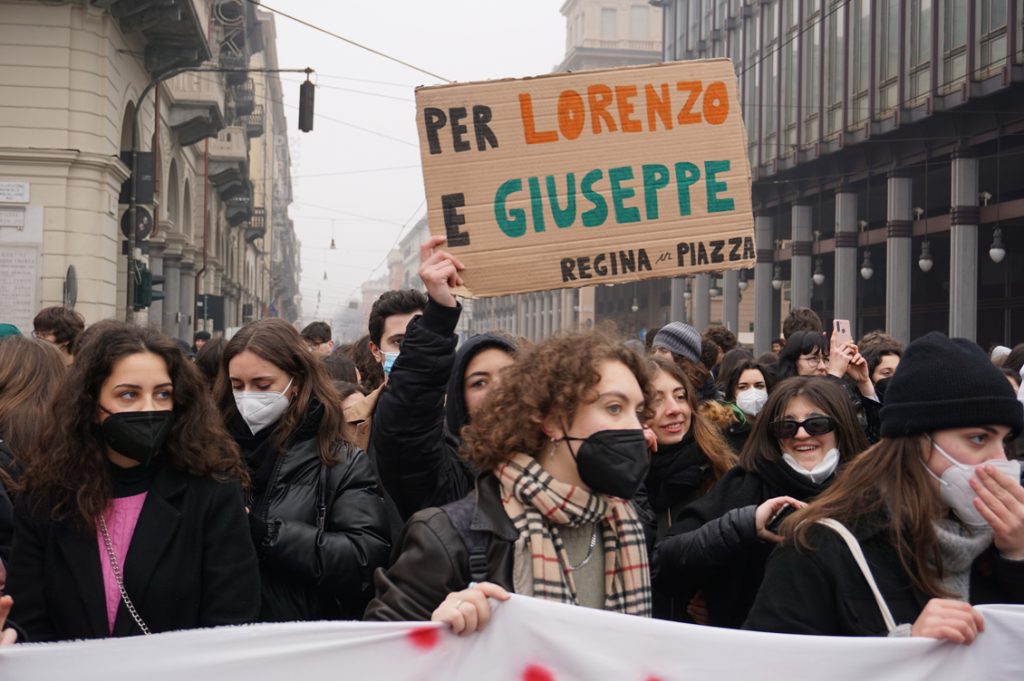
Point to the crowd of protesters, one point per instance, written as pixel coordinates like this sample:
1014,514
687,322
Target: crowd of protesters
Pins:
828,487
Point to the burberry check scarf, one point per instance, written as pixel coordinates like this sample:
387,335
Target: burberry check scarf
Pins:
537,504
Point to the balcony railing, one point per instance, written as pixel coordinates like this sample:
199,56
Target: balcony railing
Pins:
641,45
254,122
244,97
257,228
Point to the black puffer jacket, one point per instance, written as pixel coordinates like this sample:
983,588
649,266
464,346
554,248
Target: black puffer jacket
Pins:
713,546
306,573
820,591
415,439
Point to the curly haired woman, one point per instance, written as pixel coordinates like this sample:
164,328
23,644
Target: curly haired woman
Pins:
562,442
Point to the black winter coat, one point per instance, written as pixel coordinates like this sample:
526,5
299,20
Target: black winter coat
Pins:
306,573
713,547
821,591
415,438
190,564
434,561
9,467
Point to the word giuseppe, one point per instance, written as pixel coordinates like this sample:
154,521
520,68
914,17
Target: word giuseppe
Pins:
688,253
654,177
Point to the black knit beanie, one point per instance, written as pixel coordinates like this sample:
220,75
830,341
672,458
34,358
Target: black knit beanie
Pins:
947,383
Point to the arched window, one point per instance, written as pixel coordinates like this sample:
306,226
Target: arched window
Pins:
173,210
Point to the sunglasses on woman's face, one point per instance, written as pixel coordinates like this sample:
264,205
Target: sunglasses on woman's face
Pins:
816,425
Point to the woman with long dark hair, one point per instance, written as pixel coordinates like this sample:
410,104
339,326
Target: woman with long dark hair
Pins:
132,519
691,457
720,543
935,510
316,513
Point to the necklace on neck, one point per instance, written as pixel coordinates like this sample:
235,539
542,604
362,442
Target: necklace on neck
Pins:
590,552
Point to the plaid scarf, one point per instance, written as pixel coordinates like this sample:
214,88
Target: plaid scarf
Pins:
538,503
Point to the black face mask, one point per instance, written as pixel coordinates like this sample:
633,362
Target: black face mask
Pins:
139,435
612,462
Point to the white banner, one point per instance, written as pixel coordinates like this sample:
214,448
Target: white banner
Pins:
528,640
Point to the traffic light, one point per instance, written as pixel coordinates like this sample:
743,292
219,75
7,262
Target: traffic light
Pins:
156,280
144,283
306,91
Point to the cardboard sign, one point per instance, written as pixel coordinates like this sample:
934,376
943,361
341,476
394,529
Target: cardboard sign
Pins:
588,178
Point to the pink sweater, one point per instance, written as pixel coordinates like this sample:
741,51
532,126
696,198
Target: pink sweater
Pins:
121,517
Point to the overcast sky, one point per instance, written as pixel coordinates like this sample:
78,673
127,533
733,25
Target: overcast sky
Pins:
358,173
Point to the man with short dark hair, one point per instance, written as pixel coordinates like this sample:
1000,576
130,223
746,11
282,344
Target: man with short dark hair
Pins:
60,326
319,338
724,340
801,319
389,317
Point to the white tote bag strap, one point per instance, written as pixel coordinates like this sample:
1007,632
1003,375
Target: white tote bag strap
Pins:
862,563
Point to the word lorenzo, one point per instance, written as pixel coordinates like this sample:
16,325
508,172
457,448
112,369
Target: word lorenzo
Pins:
608,109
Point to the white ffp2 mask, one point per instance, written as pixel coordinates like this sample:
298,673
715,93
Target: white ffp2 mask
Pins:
955,485
261,408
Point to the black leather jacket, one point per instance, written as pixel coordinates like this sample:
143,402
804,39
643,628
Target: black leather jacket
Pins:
434,560
306,573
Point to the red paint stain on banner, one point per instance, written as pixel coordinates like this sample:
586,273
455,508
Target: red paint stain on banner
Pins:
536,672
425,638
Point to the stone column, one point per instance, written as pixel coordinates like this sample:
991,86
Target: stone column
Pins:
898,257
963,247
764,237
187,304
156,266
800,278
677,300
846,258
702,301
731,300
172,294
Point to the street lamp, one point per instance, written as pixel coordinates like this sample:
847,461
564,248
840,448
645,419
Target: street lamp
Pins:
743,280
866,270
634,307
996,251
819,274
925,262
777,278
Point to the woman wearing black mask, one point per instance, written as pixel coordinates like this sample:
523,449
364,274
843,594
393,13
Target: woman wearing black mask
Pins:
133,519
316,512
563,446
721,542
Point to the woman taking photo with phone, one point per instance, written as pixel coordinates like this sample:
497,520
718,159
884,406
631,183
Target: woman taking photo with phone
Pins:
132,519
316,514
561,441
720,543
935,508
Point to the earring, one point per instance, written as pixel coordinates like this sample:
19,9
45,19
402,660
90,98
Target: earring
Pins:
551,449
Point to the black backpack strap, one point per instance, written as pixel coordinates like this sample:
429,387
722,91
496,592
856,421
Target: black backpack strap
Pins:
460,514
